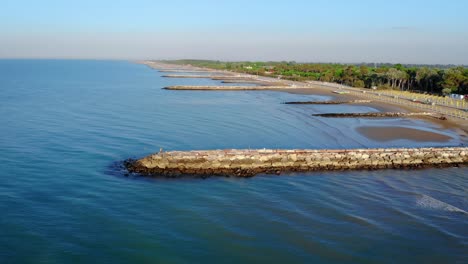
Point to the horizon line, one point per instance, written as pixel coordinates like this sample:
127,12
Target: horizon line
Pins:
233,61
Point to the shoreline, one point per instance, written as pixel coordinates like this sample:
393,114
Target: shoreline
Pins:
451,124
456,125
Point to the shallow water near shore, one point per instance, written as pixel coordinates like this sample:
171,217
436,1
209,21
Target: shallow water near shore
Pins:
67,125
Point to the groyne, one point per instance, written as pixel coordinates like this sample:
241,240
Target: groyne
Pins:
246,163
246,81
227,78
378,114
233,78
227,88
192,76
187,71
331,102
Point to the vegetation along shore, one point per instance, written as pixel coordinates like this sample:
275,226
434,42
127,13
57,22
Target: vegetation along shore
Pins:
432,79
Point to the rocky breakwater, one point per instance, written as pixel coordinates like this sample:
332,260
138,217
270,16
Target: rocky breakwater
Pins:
192,76
233,78
379,115
246,163
186,71
227,88
261,83
331,102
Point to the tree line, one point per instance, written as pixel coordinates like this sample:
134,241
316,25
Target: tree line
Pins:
435,80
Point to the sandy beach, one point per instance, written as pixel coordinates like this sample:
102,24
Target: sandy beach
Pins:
391,133
457,125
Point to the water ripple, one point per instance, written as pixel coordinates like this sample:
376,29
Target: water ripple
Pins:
63,189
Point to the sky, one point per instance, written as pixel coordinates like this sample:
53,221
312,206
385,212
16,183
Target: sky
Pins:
353,31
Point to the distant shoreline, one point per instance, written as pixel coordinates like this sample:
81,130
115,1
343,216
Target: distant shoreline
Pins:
458,125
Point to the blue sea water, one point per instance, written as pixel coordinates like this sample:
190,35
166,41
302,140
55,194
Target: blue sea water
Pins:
64,198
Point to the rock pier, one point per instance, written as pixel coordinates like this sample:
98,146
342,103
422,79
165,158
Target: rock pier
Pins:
233,78
187,71
246,81
227,88
246,163
194,76
377,114
331,102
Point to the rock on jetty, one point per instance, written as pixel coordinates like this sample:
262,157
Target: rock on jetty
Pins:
331,102
227,88
187,71
246,163
192,76
233,78
375,114
246,81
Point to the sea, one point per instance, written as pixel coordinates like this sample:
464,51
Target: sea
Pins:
67,126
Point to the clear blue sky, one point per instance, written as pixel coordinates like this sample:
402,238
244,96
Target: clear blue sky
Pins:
411,31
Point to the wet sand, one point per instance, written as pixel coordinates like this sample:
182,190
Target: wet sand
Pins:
458,126
384,134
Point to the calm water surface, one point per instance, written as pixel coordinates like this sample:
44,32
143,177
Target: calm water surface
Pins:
66,125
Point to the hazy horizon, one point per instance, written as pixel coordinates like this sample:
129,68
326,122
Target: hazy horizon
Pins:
416,32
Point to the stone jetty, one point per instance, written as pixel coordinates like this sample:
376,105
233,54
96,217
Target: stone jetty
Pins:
232,78
187,71
227,88
192,76
377,114
228,78
247,163
331,102
246,81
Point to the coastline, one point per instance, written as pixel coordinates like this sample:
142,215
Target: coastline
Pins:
456,125
460,127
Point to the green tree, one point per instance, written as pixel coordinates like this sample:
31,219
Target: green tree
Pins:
453,79
359,83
